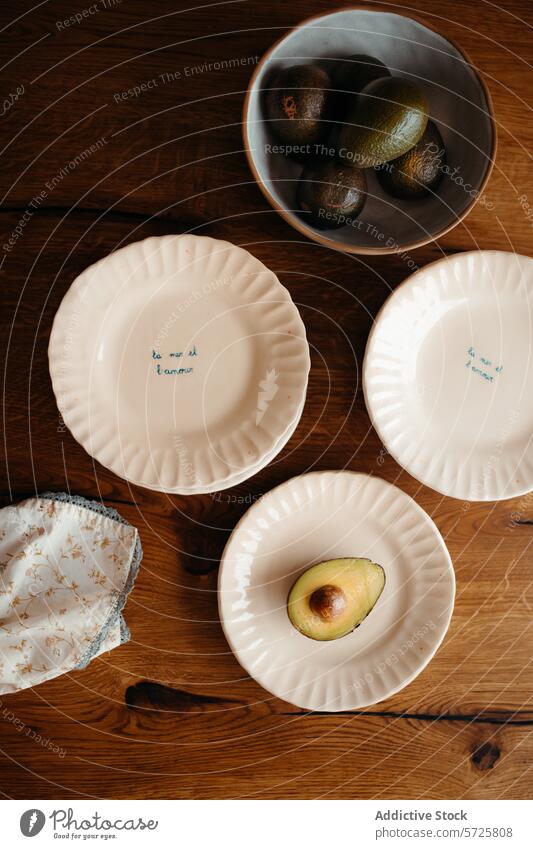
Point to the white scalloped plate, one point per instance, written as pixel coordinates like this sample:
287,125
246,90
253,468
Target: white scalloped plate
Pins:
319,516
180,363
448,375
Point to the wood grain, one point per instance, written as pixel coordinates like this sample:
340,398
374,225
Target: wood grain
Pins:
171,714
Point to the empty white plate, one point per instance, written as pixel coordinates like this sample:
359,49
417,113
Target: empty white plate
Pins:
315,517
180,363
448,375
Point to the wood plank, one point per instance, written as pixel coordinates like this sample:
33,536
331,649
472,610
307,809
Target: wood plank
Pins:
222,752
177,641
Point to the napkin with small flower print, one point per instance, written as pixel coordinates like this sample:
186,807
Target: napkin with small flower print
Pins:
67,566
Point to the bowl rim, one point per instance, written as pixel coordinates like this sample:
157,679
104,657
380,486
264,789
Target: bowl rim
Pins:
290,217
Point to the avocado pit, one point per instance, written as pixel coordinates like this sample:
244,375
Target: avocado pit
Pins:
328,602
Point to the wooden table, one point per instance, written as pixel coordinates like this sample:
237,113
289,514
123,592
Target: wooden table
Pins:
172,714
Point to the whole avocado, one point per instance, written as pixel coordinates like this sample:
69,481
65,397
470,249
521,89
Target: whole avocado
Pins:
297,104
329,193
419,171
353,74
390,117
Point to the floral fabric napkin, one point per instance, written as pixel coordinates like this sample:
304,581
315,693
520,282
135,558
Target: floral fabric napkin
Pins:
66,568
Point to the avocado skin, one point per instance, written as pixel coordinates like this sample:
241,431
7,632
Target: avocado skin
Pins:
297,104
326,186
390,118
352,75
419,171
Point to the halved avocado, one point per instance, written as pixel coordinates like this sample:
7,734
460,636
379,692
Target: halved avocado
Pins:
390,118
332,598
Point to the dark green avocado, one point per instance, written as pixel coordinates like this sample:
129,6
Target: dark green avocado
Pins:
389,118
329,194
297,104
353,74
419,171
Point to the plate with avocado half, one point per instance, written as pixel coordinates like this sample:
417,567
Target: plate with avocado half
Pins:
335,590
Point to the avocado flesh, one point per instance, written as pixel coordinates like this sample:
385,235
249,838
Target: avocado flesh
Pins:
419,171
359,582
330,193
297,103
390,118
